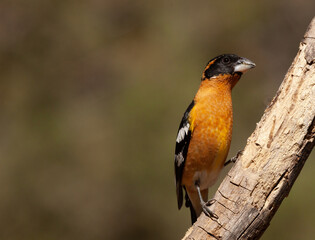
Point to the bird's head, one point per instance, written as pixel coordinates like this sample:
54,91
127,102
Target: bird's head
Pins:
227,67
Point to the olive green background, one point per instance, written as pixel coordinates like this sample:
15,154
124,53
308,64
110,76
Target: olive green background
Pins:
91,96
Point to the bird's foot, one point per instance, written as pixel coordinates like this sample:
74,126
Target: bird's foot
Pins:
233,159
207,211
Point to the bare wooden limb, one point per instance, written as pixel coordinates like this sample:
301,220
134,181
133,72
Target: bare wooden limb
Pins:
274,155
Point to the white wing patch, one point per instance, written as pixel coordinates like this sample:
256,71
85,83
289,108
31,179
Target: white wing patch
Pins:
182,132
179,159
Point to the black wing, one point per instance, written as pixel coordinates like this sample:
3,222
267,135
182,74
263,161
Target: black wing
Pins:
182,143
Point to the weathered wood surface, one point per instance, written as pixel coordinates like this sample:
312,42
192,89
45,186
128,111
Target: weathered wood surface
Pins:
274,155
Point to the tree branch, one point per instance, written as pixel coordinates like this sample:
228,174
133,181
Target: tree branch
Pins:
275,153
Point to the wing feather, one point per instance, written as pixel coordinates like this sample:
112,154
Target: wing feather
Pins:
181,149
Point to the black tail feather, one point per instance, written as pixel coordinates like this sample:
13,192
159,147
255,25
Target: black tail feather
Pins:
179,193
188,204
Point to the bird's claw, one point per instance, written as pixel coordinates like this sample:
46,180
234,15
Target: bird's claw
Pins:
210,202
207,211
233,159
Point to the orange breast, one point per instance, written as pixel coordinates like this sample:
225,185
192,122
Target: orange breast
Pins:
211,124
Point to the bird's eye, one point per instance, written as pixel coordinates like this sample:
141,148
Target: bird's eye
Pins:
226,60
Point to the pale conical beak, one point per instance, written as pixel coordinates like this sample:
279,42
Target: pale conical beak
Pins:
243,65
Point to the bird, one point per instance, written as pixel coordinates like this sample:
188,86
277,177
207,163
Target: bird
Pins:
204,135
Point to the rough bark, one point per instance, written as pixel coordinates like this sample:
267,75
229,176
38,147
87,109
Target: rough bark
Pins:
275,153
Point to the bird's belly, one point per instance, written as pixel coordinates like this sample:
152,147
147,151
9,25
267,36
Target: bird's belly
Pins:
207,153
205,178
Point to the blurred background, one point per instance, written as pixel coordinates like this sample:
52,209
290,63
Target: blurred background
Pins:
91,97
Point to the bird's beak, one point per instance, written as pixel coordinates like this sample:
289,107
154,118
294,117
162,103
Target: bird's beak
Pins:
243,65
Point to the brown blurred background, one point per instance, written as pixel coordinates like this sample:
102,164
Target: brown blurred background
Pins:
91,96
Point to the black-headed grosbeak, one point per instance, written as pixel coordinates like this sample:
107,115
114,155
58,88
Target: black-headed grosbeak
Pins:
204,135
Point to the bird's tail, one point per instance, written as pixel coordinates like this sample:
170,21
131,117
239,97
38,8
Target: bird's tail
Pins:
189,205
